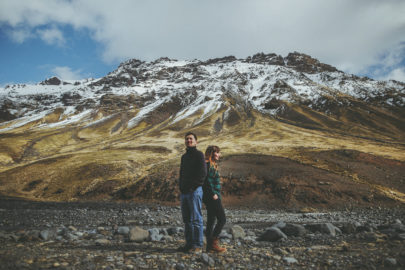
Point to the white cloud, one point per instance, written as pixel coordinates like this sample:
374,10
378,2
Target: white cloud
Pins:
351,35
52,36
397,74
66,73
394,56
390,65
20,35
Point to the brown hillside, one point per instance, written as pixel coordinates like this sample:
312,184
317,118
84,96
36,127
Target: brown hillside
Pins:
302,159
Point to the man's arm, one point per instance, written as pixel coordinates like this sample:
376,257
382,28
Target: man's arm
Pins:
181,168
202,170
181,174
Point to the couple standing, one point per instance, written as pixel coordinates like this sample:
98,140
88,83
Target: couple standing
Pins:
200,182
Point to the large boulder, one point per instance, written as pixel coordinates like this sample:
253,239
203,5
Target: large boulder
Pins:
272,234
327,228
294,230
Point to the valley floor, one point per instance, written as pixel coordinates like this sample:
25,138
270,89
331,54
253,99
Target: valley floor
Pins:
97,235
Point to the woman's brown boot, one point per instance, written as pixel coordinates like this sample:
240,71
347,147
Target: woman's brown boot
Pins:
215,247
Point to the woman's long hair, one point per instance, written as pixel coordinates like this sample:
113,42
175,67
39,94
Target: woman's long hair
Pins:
209,154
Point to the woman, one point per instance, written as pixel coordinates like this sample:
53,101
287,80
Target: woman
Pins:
212,200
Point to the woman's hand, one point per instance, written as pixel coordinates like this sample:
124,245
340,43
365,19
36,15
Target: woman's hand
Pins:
215,197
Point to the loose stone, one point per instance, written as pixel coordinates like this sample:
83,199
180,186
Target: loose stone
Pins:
124,230
390,262
207,260
237,232
138,234
290,260
102,241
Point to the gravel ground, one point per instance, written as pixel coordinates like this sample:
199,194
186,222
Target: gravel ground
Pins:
105,235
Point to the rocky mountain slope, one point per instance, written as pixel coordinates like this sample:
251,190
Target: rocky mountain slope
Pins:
293,131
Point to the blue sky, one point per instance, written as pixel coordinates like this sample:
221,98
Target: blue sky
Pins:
35,60
77,39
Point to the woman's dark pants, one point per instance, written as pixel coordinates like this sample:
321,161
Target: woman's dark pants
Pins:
215,211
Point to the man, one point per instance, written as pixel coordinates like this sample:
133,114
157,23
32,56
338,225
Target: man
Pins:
192,174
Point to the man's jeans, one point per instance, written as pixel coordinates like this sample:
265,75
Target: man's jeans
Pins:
191,204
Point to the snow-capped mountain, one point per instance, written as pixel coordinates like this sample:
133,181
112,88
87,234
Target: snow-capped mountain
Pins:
173,90
292,129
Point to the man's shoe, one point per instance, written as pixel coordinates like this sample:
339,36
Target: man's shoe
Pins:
195,250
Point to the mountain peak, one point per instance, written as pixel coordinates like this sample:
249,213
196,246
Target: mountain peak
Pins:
262,58
225,59
305,63
51,81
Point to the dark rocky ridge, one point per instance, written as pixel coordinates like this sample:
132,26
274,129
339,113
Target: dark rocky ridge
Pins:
307,64
52,81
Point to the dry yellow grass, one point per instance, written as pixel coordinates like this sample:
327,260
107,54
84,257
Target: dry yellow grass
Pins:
67,163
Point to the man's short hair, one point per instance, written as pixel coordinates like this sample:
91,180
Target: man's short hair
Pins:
190,133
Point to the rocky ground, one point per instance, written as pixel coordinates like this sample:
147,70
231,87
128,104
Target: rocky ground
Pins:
103,235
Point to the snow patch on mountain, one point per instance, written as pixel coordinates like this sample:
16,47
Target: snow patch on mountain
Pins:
24,120
200,86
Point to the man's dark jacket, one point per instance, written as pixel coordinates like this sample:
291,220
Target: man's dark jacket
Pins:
192,170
